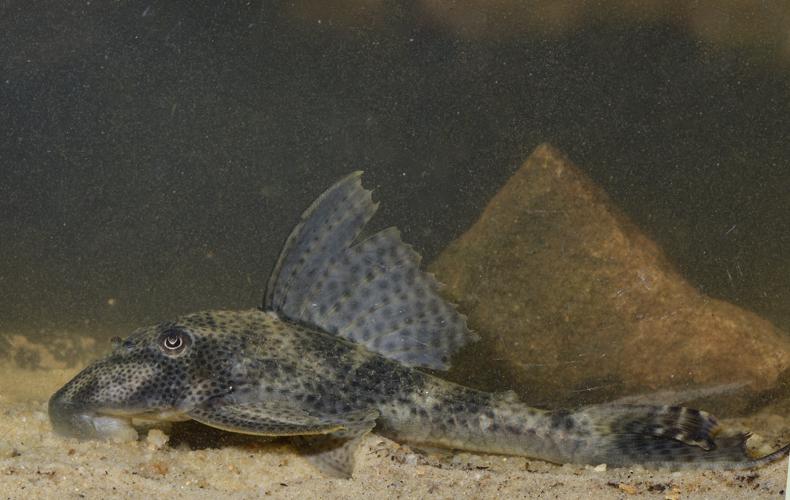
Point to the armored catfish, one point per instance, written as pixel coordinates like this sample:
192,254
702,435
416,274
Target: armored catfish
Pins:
336,351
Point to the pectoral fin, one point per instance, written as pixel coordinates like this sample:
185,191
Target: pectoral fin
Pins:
329,441
270,418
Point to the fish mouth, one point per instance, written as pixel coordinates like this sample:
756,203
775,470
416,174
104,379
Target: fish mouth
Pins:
70,419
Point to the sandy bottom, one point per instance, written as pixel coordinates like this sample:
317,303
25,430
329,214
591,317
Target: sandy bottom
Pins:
191,461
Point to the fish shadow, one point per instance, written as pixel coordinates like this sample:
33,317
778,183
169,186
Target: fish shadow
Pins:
196,436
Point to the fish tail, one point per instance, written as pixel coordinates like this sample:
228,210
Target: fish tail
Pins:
664,436
618,435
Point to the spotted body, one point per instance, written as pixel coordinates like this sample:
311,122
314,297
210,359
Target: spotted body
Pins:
336,352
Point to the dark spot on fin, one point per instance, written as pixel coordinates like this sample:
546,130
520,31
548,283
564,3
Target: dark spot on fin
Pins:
326,229
561,419
370,292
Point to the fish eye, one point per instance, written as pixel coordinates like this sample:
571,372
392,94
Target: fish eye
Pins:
173,341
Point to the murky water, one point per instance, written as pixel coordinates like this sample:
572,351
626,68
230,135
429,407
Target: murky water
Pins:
155,156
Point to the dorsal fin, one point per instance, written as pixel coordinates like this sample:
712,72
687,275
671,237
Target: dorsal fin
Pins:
370,292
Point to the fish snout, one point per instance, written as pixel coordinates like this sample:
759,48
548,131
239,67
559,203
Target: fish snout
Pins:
67,418
73,419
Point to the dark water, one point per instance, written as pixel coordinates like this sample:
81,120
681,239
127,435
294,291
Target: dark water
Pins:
156,154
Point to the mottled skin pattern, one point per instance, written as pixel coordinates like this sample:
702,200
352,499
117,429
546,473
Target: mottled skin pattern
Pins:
337,355
252,355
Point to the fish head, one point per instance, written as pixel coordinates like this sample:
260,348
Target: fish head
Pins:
157,373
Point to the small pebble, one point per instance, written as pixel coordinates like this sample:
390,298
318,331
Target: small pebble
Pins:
156,439
629,489
600,468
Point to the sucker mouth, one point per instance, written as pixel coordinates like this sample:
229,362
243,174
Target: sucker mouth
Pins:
117,429
74,420
109,424
92,425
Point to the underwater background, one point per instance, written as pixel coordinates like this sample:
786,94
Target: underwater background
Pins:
155,155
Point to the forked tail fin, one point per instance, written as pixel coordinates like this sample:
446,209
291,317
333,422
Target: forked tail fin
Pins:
666,436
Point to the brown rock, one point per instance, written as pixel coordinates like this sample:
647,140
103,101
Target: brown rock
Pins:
579,305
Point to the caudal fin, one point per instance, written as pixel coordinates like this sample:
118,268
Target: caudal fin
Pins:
669,436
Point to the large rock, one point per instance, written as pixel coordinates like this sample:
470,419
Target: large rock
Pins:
576,304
